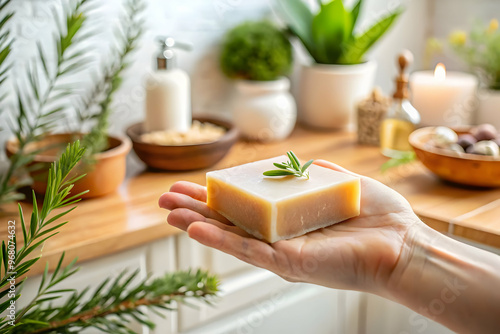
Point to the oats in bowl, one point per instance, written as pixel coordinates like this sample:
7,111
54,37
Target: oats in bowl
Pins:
198,133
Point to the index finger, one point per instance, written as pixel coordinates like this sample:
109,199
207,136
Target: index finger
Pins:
248,249
191,189
331,165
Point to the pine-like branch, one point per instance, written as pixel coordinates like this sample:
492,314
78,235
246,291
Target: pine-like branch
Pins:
38,108
128,35
5,44
16,262
121,299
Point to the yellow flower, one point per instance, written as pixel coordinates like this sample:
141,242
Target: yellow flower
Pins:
434,46
458,38
493,26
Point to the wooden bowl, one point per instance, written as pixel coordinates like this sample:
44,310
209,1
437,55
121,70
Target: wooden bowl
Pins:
183,157
462,168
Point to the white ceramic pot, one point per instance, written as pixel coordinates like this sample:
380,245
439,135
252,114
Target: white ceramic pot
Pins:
264,110
328,94
489,107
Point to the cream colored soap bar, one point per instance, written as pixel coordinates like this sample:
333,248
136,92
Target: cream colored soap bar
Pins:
276,208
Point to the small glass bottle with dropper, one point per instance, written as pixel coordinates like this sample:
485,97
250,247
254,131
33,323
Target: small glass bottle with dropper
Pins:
402,118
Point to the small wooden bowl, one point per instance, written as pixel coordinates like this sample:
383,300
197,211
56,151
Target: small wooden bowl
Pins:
183,157
463,168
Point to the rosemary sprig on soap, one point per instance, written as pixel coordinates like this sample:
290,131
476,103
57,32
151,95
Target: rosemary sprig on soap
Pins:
291,167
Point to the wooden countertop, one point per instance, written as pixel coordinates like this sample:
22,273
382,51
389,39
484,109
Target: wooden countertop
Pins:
131,216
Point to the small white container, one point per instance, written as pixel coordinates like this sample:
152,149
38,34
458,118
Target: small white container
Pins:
168,94
264,110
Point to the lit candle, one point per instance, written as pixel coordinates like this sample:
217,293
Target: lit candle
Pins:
444,98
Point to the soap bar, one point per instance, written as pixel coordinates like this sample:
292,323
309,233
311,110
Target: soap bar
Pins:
276,208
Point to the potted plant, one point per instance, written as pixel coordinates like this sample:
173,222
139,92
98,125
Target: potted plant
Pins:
258,55
45,100
109,307
480,49
339,75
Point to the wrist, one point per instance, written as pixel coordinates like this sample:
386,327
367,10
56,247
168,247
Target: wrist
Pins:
446,280
417,253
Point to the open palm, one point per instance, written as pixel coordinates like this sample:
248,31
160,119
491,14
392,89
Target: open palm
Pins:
359,253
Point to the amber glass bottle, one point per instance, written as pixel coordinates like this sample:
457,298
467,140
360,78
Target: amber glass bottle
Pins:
402,118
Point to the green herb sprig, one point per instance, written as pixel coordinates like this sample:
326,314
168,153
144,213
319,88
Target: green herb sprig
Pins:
400,159
291,167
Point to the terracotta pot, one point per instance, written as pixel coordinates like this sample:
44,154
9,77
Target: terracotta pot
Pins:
103,177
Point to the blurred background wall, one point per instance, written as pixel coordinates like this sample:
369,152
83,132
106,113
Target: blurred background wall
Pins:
204,22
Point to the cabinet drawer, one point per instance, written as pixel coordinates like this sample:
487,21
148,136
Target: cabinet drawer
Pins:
301,308
237,291
192,254
156,258
92,273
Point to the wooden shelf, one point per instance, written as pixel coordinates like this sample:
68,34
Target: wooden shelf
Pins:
131,216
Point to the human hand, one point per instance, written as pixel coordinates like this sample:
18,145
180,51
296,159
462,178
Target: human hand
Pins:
359,253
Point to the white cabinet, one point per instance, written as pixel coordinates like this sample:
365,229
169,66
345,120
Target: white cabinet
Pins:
300,309
385,316
191,254
241,284
256,301
251,300
157,258
161,259
237,292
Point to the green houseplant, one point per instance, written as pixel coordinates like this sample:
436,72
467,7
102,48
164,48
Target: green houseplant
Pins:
49,98
339,75
480,50
110,306
258,55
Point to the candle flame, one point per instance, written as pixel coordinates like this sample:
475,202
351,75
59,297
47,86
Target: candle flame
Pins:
440,72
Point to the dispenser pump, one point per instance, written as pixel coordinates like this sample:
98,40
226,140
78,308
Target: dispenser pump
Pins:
166,59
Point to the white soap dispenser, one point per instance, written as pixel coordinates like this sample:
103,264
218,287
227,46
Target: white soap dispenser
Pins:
168,92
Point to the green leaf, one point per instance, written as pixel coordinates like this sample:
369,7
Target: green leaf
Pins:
5,259
41,56
354,16
278,172
58,216
58,267
282,166
44,277
357,47
402,159
330,29
306,165
294,160
299,19
23,225
4,53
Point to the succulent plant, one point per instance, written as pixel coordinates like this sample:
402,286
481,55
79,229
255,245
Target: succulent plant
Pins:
330,35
